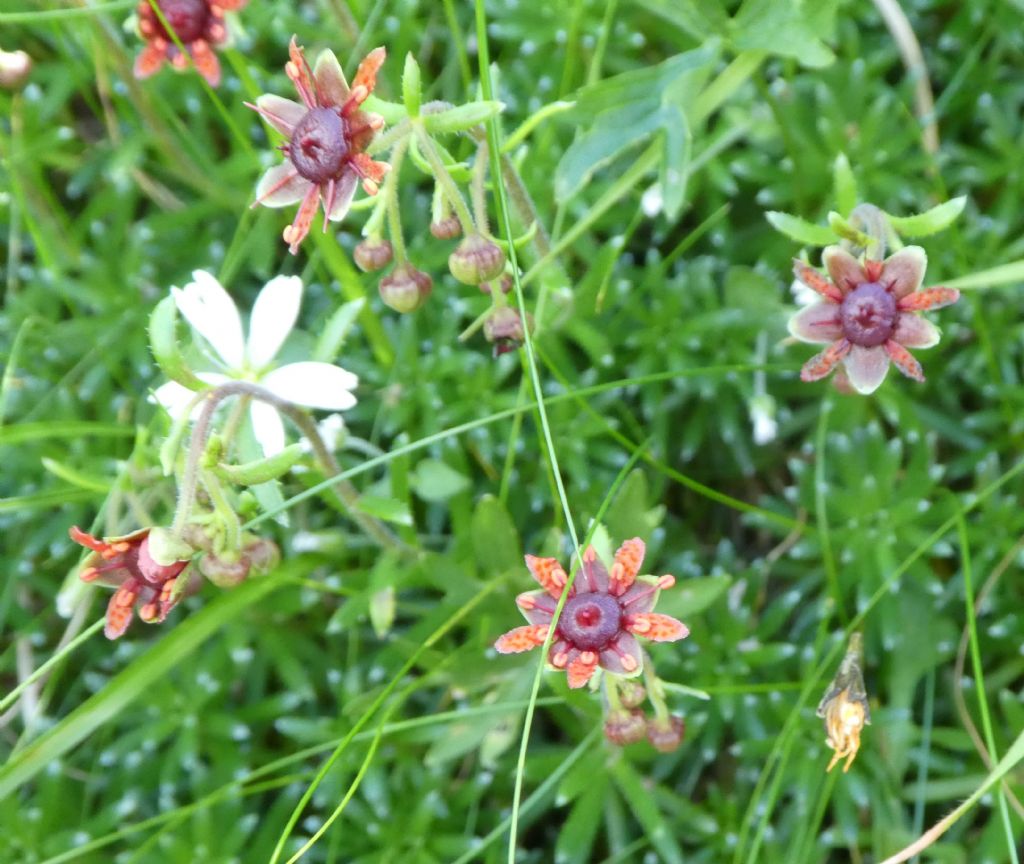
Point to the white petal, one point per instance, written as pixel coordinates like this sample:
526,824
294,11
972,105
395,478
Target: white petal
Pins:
866,368
283,114
817,323
213,314
903,271
913,331
267,427
315,385
174,398
273,316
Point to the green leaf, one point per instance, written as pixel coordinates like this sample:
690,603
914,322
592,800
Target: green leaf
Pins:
387,509
261,470
434,480
44,431
412,94
645,808
845,231
788,28
133,682
495,538
462,117
844,184
163,342
634,108
931,221
690,597
576,839
332,337
76,477
800,229
1004,274
392,112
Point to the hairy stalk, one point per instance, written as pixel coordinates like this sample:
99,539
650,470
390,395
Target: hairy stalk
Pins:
391,201
477,191
444,177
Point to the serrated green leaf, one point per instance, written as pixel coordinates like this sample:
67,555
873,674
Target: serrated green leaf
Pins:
332,337
462,117
261,470
434,480
495,537
412,95
931,221
788,28
844,184
163,342
800,229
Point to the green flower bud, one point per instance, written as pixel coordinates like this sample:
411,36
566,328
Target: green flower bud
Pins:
446,229
406,289
476,259
373,253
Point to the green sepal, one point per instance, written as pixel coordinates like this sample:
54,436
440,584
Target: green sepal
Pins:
163,343
845,231
931,221
800,229
167,548
412,93
462,118
392,112
260,470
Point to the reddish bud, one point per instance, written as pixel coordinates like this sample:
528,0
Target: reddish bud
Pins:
446,229
666,734
224,573
406,289
625,727
504,328
631,693
373,254
15,67
476,259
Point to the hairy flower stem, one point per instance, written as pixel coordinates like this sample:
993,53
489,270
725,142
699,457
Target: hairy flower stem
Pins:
655,692
477,191
391,202
873,222
232,536
442,176
347,493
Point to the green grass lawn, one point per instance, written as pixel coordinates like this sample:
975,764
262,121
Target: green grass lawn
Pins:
340,507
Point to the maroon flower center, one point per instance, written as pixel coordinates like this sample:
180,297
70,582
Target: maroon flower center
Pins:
187,18
590,621
319,146
868,314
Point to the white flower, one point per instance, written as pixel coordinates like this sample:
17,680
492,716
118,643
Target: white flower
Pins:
214,316
762,416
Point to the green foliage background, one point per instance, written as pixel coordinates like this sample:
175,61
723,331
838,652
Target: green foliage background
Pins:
195,741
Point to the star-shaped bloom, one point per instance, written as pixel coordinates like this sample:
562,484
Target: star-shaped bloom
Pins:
130,563
602,617
214,317
327,135
868,315
199,26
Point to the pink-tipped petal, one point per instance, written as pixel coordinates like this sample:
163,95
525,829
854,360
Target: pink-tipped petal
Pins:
624,656
295,233
549,574
930,298
330,80
538,607
522,639
656,627
821,364
344,192
819,322
206,62
845,270
913,331
866,368
281,186
150,59
366,74
283,114
594,575
904,360
903,271
813,279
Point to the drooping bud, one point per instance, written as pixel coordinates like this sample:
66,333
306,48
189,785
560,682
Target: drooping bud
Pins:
504,329
15,67
406,288
476,259
222,572
263,554
631,693
624,727
446,229
666,733
373,253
